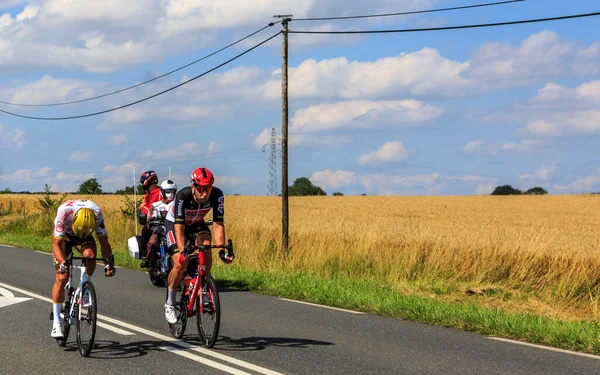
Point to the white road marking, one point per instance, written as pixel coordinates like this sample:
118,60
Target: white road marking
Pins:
7,298
323,306
173,341
196,348
205,361
9,246
115,329
545,347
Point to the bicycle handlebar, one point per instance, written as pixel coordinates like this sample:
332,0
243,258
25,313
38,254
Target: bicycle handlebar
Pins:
110,260
189,248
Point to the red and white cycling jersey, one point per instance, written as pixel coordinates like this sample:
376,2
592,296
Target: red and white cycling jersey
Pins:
63,222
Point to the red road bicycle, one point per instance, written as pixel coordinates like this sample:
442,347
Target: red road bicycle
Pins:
198,295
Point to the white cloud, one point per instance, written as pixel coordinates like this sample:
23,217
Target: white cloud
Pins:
557,111
80,156
49,89
484,189
388,152
363,114
160,111
29,12
186,149
473,146
263,138
213,147
55,29
43,172
541,174
431,184
333,179
525,146
117,140
424,72
12,140
585,184
232,182
541,55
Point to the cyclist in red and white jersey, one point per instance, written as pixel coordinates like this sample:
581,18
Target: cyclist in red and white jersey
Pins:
156,215
149,181
74,226
185,221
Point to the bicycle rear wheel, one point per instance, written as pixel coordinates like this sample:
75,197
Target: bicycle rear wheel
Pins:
208,317
86,322
178,329
65,321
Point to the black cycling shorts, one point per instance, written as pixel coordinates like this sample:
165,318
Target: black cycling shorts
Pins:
190,233
69,242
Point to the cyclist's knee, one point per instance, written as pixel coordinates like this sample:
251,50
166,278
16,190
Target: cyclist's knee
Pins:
88,251
61,278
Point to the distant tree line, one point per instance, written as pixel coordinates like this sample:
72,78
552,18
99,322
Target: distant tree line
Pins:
509,190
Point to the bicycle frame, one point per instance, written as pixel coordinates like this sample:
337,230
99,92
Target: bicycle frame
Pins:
74,297
197,286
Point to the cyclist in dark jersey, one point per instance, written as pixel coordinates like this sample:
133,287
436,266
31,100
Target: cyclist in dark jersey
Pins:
185,222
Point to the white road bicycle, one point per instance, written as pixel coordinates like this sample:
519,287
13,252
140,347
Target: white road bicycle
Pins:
80,307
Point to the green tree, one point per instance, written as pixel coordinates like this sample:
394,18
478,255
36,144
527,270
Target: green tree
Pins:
338,194
129,190
506,190
6,191
536,191
303,187
91,186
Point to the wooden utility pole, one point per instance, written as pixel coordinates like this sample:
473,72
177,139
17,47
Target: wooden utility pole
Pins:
284,135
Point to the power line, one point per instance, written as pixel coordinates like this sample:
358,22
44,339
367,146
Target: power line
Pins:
447,27
146,98
407,13
141,83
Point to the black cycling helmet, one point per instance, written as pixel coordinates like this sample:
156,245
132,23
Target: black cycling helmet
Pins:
148,178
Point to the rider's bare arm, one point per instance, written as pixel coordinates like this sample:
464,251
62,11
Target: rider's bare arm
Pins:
219,232
180,237
104,245
57,244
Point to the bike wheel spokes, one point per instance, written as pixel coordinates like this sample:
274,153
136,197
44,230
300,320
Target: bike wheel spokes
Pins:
178,329
86,319
208,317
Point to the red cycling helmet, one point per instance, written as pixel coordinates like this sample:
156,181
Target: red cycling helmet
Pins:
202,177
148,178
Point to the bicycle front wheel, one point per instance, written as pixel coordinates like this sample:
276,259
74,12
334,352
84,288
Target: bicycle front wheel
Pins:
86,322
178,329
208,313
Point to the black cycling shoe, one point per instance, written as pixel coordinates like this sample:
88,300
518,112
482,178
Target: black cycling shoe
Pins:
144,263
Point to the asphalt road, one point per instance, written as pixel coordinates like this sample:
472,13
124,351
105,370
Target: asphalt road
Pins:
259,335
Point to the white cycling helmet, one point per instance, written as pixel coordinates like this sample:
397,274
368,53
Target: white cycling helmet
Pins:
168,189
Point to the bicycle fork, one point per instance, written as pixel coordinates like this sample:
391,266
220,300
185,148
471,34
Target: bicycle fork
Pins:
74,311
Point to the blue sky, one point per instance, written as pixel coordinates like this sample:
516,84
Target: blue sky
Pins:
435,113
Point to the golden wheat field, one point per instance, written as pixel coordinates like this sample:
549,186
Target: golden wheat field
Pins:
545,246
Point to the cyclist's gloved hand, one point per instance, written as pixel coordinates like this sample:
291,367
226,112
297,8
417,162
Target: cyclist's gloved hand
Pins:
109,267
63,267
227,258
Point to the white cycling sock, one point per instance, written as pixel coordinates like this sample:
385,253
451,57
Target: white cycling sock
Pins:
56,311
171,297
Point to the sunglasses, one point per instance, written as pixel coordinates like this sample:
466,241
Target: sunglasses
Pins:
202,189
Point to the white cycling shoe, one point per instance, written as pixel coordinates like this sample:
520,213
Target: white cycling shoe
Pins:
170,314
56,331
